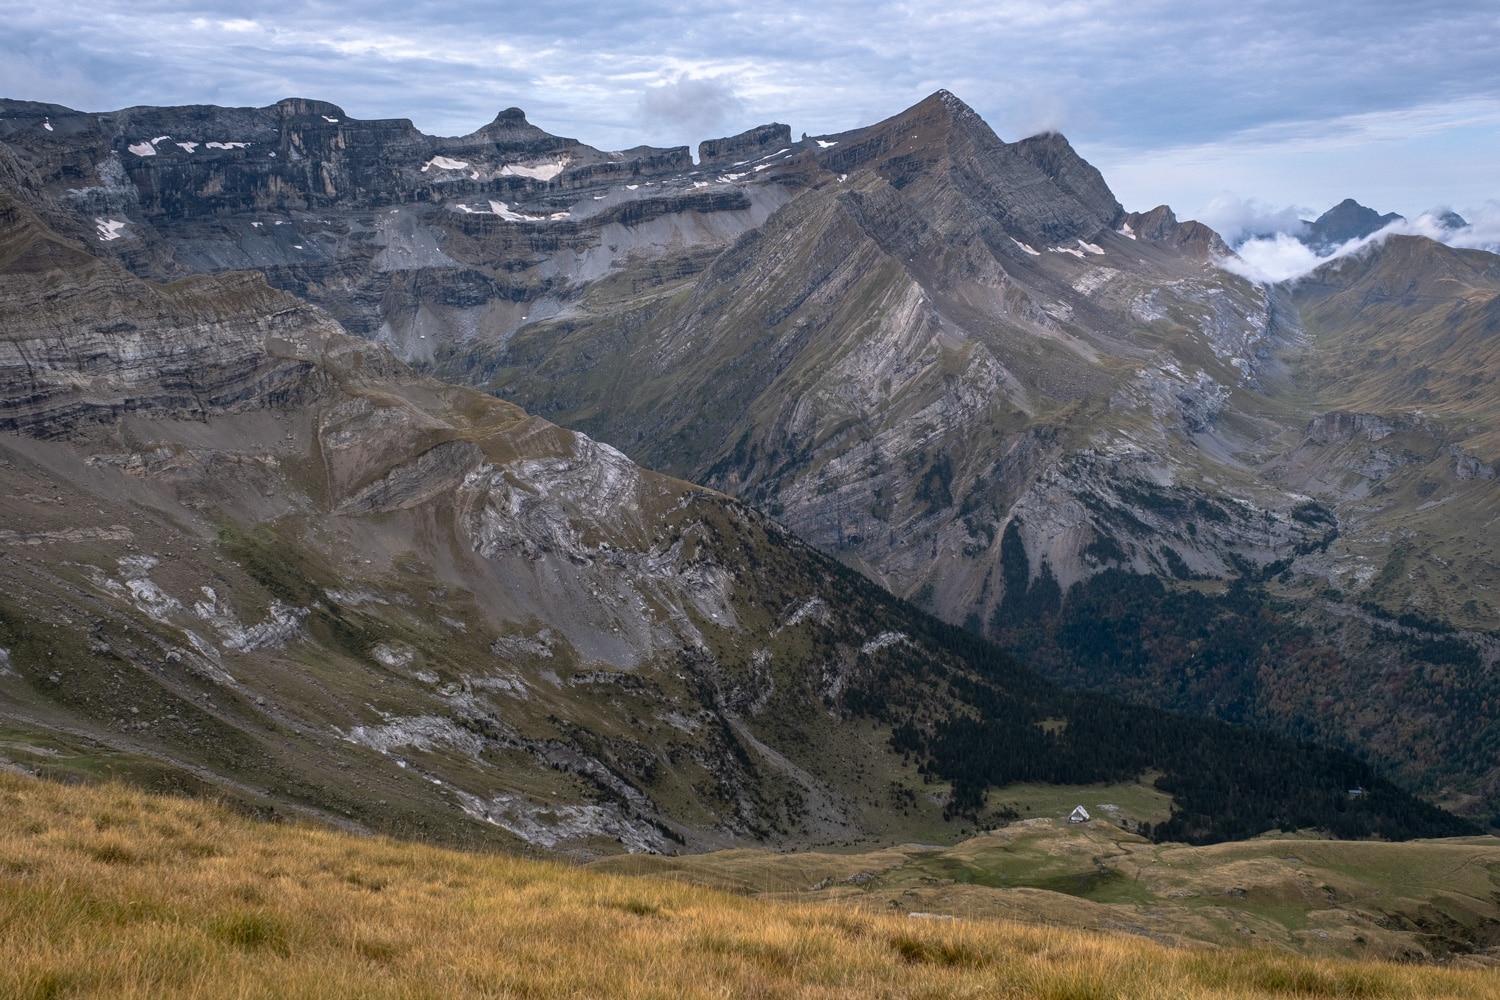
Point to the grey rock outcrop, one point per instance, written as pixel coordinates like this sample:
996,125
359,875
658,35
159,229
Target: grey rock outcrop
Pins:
423,242
739,150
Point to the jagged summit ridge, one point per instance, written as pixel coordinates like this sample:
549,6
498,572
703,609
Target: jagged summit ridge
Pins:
1038,188
1348,220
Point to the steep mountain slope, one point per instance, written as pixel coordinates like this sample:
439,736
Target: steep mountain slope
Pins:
938,334
943,334
251,552
1401,358
911,369
893,367
248,553
1383,636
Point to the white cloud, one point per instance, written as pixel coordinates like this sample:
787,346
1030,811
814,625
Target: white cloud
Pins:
1034,111
694,105
1237,219
1483,231
1269,259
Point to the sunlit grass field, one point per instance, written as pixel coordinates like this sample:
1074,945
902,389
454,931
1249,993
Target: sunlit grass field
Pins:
110,892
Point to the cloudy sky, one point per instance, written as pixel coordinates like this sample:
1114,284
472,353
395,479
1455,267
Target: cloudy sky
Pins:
1277,103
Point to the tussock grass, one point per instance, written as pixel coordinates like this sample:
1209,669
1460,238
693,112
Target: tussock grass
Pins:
110,892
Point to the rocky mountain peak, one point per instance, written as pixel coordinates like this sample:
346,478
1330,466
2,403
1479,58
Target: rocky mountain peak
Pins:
511,131
1055,157
301,107
1449,219
1348,220
1040,189
931,118
1160,225
511,124
953,103
762,140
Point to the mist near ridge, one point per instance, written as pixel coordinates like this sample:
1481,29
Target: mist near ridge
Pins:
1269,248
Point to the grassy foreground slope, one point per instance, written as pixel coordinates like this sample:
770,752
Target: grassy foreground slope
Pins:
106,891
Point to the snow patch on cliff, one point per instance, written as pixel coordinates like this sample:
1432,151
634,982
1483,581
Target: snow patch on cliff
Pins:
108,229
445,163
544,171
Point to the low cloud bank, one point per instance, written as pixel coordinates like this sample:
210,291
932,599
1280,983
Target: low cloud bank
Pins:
1267,250
1238,220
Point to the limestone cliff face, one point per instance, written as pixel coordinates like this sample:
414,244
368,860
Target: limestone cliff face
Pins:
747,147
423,242
899,340
87,344
955,363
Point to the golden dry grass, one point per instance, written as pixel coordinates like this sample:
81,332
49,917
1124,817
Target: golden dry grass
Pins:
106,891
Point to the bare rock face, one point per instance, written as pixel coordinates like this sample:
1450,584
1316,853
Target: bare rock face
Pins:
946,341
84,343
1039,190
740,150
903,359
1160,225
1348,220
421,242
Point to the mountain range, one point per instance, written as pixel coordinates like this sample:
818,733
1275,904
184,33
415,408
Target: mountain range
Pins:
275,534
1349,220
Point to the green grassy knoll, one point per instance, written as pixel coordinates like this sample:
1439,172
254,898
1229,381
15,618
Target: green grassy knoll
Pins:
1418,900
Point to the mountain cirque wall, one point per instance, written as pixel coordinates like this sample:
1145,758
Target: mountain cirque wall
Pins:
941,335
959,365
954,362
419,241
298,574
